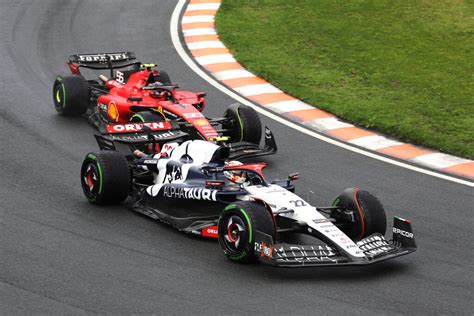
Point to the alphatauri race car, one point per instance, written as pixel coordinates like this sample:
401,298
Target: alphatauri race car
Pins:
137,93
194,187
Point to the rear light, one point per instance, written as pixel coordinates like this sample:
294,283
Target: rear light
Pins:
215,184
112,111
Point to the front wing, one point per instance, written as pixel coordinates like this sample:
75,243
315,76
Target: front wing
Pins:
375,249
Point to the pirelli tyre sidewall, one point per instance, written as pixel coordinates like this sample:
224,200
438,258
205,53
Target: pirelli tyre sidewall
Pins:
236,229
105,177
246,125
71,95
369,213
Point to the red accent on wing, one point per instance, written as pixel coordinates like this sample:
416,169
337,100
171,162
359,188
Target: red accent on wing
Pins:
74,68
137,127
210,231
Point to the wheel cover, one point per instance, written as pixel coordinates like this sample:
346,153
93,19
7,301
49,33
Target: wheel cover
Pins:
91,181
236,232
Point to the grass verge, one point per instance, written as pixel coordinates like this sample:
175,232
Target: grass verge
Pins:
404,68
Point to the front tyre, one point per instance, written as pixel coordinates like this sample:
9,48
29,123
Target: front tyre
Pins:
71,95
237,226
105,177
369,213
245,124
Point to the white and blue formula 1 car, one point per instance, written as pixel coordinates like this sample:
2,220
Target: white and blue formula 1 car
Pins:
192,186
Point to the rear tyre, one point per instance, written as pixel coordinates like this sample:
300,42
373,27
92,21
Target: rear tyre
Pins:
71,95
163,77
236,229
369,213
106,177
246,125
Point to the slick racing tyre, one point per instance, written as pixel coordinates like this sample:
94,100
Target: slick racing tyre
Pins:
106,177
237,226
71,95
142,117
369,213
245,124
163,77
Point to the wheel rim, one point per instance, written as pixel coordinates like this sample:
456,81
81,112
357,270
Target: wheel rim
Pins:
58,95
90,181
235,234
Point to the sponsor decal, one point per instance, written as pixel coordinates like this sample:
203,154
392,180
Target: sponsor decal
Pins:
263,249
403,233
189,193
209,232
321,220
137,127
167,149
102,57
192,115
201,122
173,172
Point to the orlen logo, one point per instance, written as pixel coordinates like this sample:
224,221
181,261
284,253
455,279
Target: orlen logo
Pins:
403,233
137,127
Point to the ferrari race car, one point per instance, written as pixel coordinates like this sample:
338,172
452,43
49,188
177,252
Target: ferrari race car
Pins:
192,185
138,93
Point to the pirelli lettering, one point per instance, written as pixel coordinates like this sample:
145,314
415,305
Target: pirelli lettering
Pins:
189,193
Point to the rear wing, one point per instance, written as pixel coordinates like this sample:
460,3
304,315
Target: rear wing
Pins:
101,61
120,136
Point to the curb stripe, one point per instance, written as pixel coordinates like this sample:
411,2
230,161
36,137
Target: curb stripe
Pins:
223,66
233,74
327,124
310,115
201,37
205,44
439,160
283,106
214,59
197,18
257,89
199,31
374,142
210,52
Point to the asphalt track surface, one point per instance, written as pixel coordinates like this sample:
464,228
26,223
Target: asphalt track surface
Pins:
59,254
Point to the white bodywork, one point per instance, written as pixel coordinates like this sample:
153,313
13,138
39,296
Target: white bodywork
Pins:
279,198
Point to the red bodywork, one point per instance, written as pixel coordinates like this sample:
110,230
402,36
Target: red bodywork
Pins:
188,105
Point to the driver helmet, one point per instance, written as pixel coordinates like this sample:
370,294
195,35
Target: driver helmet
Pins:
237,176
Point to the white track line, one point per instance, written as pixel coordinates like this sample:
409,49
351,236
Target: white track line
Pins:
174,29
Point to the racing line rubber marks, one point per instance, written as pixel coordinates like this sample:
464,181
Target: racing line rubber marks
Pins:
202,40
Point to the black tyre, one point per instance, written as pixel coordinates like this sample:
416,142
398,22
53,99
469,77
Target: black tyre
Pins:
369,213
163,77
71,95
106,177
236,229
142,117
246,125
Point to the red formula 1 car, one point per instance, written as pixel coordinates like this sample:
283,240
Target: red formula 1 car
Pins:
139,93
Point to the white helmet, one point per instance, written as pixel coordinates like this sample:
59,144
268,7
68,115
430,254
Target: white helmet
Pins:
237,176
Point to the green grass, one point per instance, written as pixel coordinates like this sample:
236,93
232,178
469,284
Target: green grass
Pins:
403,67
